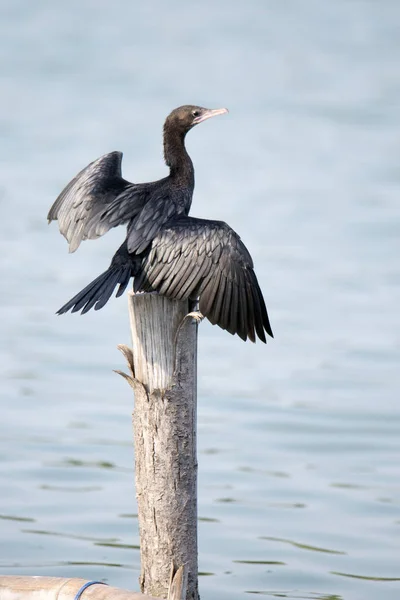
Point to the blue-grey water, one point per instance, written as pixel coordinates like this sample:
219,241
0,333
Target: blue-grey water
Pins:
299,440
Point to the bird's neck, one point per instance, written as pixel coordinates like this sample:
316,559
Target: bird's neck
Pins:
177,158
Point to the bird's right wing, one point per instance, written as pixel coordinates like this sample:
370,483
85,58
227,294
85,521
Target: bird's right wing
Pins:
82,206
197,258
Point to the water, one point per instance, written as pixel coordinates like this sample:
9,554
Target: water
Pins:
299,446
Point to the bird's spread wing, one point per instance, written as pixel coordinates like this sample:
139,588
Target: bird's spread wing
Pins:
194,258
81,208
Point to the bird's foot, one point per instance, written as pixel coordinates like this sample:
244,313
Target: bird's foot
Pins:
196,315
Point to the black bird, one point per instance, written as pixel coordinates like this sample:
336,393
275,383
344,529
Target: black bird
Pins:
165,250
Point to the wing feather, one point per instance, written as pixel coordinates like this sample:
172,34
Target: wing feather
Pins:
153,217
243,317
189,286
226,306
250,314
218,300
233,324
196,258
96,200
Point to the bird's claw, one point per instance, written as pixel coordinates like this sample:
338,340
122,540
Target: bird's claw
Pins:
196,315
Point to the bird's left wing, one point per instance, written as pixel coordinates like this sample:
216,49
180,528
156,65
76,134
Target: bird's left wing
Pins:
81,208
197,258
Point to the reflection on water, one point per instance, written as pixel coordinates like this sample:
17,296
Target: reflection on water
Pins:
294,595
74,489
299,446
303,546
101,464
71,563
287,504
248,469
14,518
366,577
70,536
259,562
116,545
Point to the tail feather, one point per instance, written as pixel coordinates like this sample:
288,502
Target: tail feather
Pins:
98,292
106,292
89,292
122,286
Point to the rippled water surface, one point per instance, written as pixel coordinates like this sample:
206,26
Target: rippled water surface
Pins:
299,445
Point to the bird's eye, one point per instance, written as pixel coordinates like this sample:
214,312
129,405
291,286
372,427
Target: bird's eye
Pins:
195,113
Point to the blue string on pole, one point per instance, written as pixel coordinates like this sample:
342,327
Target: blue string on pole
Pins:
85,586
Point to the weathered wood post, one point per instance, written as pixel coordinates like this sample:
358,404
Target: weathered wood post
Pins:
163,365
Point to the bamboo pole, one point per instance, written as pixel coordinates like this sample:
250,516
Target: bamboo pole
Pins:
60,588
163,365
18,587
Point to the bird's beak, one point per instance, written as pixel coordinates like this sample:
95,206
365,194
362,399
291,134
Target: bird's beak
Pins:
208,113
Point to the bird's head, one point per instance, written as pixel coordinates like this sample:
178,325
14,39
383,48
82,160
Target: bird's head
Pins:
182,119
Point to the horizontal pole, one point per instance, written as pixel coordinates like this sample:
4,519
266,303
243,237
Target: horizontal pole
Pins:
16,587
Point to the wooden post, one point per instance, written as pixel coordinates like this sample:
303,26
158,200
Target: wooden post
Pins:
163,365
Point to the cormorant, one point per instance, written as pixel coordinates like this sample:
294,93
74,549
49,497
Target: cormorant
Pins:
165,250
